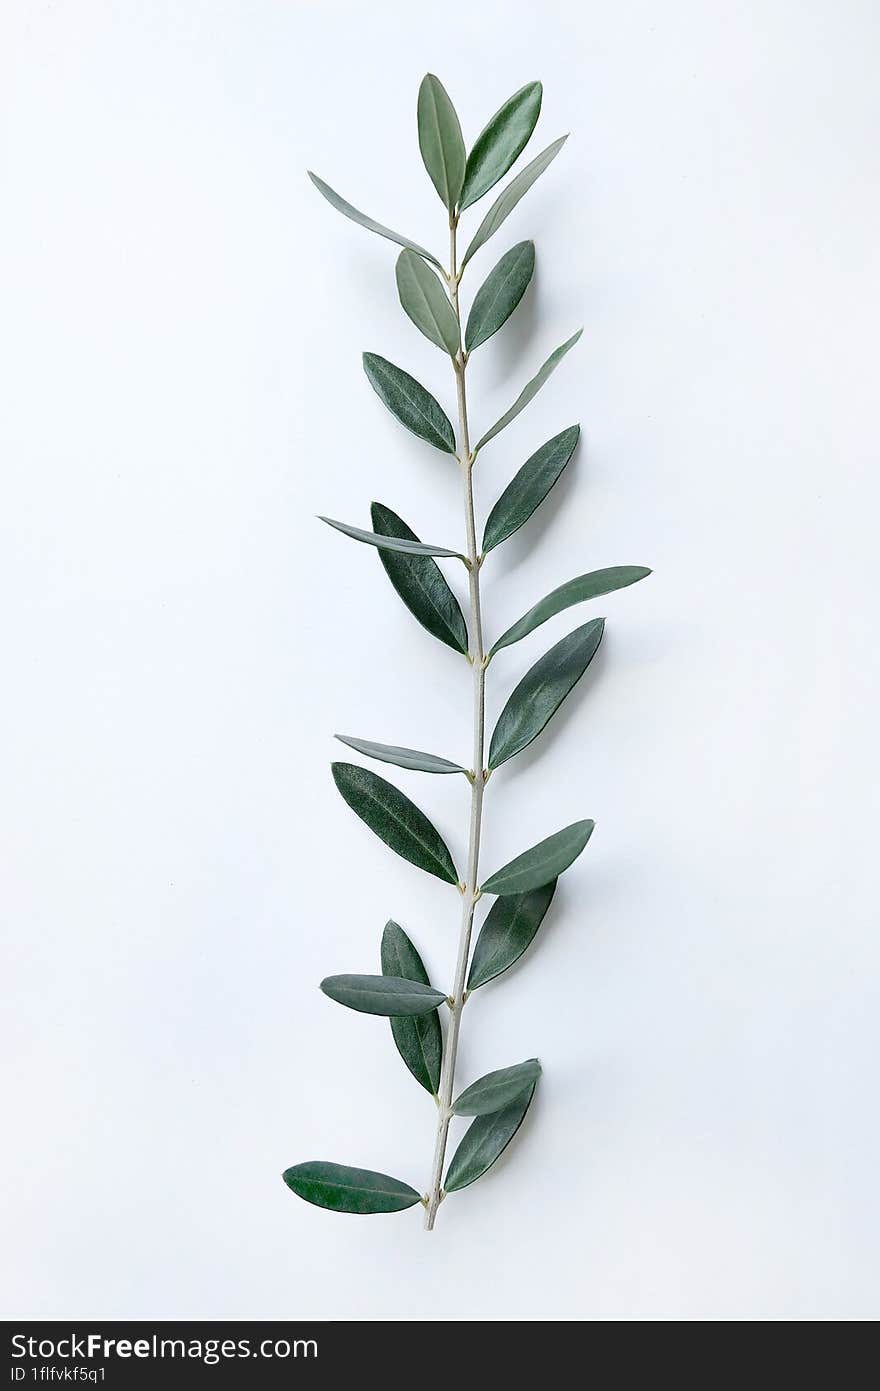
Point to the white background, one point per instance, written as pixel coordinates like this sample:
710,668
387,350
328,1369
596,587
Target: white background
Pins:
181,328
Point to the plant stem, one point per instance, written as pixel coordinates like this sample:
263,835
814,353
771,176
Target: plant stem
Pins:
470,892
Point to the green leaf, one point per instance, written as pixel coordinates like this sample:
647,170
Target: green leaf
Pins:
528,488
420,583
347,210
424,299
497,1089
501,142
343,1189
395,819
386,995
403,758
545,861
419,1039
510,926
530,390
440,140
500,293
507,200
390,543
537,697
575,591
485,1140
410,402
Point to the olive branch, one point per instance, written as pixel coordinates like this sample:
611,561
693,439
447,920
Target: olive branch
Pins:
523,888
